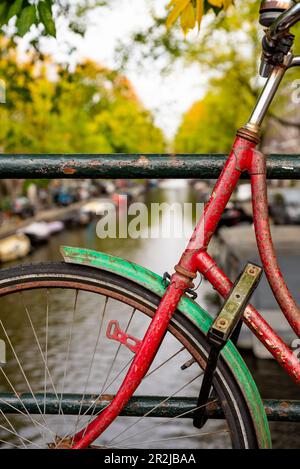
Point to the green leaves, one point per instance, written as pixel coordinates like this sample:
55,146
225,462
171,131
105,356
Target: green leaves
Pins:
3,12
14,9
27,14
26,19
46,18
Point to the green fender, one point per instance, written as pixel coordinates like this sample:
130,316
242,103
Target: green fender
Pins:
194,313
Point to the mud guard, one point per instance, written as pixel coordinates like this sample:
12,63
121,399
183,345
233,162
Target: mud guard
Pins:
197,315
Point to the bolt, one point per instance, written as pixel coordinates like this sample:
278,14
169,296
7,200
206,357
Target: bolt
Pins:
252,270
222,323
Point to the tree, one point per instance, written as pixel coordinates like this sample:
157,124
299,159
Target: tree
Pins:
211,123
50,109
209,126
90,110
227,50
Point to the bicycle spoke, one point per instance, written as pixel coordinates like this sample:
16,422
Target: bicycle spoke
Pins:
12,427
91,365
42,355
103,391
168,420
101,325
192,435
164,362
19,436
46,350
47,371
155,407
12,445
23,372
68,352
18,411
100,395
35,422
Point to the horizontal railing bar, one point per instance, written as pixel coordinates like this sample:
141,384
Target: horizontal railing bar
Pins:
112,166
71,404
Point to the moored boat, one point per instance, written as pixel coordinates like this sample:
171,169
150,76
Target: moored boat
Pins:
37,232
55,227
14,247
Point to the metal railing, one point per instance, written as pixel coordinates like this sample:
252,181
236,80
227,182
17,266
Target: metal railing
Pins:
138,166
138,406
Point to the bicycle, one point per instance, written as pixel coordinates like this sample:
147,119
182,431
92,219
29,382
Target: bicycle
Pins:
97,286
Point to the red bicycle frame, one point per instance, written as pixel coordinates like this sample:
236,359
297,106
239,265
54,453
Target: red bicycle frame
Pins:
243,158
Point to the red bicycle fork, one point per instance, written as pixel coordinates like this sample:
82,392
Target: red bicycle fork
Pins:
243,157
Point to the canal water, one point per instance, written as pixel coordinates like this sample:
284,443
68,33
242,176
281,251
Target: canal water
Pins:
159,255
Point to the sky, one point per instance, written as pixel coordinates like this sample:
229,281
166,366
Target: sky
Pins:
168,97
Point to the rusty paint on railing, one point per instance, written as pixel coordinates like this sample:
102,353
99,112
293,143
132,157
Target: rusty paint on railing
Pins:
133,166
160,406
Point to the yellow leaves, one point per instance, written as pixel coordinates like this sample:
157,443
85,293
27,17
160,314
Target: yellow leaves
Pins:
199,12
178,7
188,19
191,12
221,3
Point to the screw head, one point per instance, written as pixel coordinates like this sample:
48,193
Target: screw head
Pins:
222,323
252,270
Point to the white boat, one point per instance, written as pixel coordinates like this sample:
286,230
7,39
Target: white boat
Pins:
55,227
37,232
14,247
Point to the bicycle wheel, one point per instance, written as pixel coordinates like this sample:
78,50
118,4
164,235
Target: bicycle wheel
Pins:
60,364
